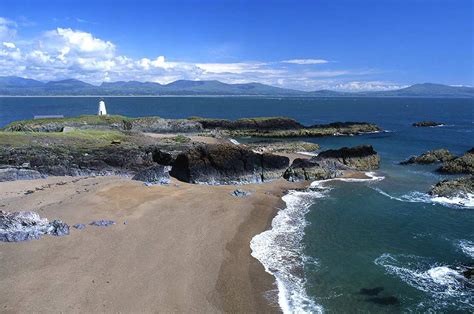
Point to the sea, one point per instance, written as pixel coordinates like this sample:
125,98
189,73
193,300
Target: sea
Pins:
375,245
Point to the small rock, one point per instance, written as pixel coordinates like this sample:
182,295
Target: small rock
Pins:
102,223
79,226
241,193
116,142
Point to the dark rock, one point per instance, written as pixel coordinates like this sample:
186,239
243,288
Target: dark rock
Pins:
241,193
12,174
79,226
460,187
371,291
427,124
102,223
227,164
157,174
270,123
59,228
391,300
433,156
362,157
24,226
468,273
460,165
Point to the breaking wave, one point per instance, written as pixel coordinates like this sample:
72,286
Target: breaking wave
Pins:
441,282
280,249
464,201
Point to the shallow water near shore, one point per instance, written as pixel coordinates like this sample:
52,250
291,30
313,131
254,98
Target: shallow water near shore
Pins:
375,245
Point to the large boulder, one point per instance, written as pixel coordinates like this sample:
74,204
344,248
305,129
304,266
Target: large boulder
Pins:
24,226
460,187
432,156
227,164
461,165
363,158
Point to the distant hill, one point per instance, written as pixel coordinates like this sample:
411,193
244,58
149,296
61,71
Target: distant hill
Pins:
17,86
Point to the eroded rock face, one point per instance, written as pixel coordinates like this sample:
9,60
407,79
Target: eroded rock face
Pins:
454,187
24,226
227,164
157,174
312,169
332,163
363,158
12,174
430,157
460,165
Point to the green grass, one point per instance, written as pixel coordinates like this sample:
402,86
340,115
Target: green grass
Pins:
75,137
84,119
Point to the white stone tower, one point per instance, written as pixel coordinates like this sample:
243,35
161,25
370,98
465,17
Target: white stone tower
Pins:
102,111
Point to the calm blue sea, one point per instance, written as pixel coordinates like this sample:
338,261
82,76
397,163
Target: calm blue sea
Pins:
383,235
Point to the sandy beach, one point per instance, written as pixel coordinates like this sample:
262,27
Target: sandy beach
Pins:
174,248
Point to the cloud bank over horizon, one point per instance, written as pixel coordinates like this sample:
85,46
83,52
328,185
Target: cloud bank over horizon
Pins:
63,53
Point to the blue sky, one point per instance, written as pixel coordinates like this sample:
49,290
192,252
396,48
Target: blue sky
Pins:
343,45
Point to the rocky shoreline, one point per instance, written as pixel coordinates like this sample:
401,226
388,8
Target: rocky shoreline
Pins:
450,165
115,145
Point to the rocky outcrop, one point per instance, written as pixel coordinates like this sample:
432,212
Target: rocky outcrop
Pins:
332,163
227,164
460,165
363,158
460,187
311,170
264,123
430,157
12,174
24,226
427,124
76,160
157,174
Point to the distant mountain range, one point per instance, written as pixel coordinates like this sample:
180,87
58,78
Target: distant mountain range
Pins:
18,86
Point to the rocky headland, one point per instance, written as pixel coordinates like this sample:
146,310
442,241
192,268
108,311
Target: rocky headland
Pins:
258,127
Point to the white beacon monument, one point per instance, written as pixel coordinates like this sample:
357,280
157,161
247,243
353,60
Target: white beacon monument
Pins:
102,111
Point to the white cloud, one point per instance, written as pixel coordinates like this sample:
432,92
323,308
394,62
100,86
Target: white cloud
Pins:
9,45
67,53
7,29
306,61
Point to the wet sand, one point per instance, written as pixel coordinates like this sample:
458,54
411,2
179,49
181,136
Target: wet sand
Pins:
175,248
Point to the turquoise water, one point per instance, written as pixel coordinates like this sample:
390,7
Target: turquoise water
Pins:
385,235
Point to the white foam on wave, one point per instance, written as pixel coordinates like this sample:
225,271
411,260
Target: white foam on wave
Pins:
467,247
439,281
234,141
371,176
464,200
280,251
308,154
